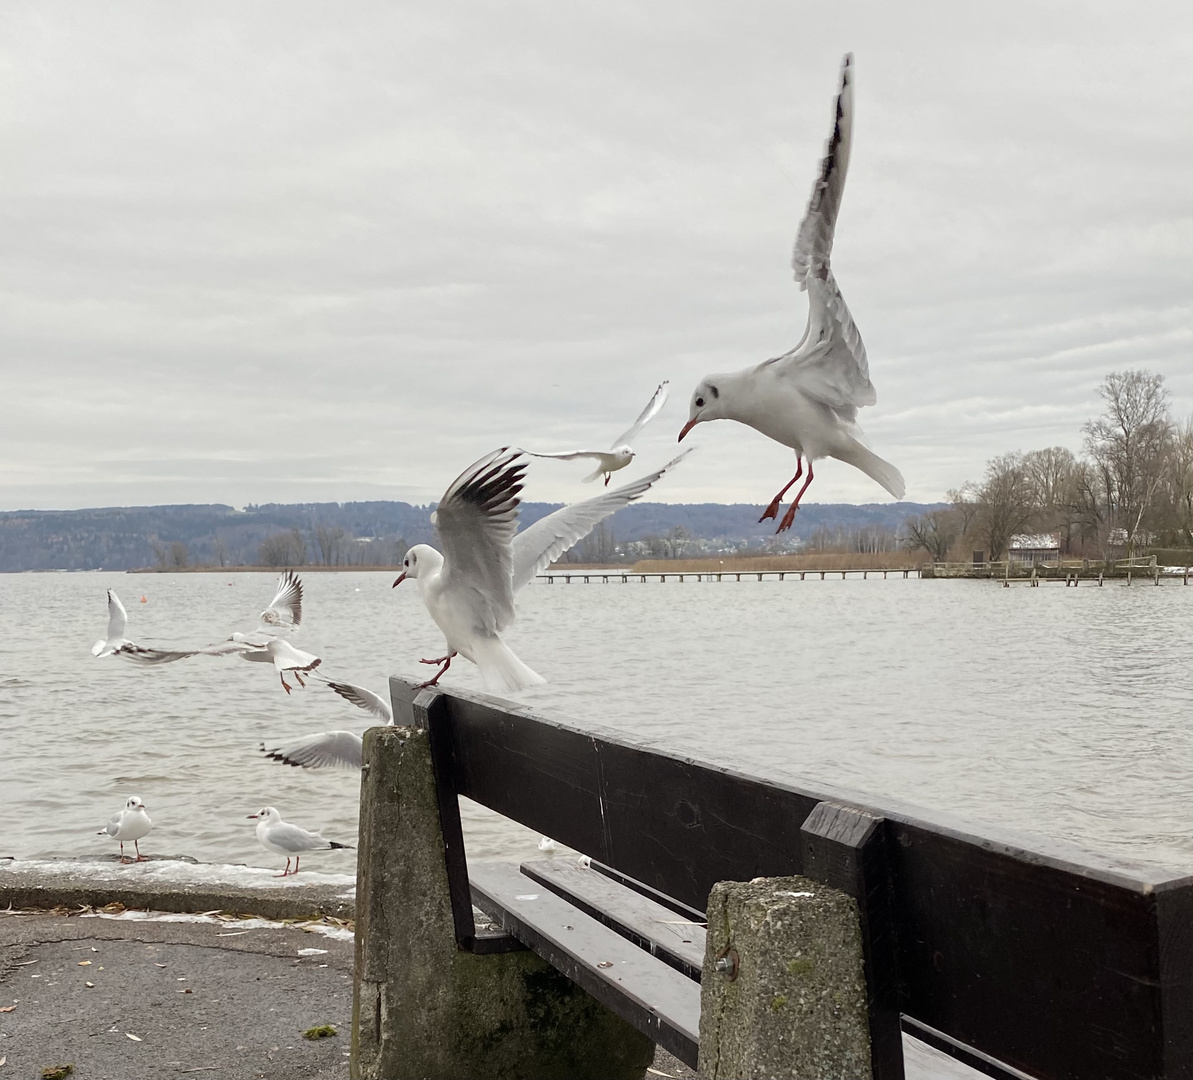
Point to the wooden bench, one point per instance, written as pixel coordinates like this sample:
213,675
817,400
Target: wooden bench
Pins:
1032,960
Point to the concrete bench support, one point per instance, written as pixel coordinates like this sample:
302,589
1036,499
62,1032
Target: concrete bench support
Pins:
423,1006
792,1001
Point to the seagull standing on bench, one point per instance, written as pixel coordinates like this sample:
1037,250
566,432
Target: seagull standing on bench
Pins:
808,398
620,454
469,588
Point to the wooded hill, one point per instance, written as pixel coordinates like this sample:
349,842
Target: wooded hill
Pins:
364,533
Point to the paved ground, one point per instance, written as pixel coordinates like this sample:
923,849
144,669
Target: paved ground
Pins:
252,995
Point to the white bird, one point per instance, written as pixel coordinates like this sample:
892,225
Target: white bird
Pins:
620,454
131,823
267,644
332,749
116,644
277,836
469,588
808,398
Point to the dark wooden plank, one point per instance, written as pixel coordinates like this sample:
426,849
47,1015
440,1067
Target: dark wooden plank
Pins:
680,909
649,925
429,714
1038,954
845,848
654,997
1174,944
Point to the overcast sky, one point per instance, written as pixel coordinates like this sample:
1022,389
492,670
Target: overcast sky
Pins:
305,252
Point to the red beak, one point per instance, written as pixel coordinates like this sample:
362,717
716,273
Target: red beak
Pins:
401,578
688,427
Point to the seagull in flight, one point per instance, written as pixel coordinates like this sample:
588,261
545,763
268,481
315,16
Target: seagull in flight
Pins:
268,644
277,836
469,588
620,454
808,398
116,644
332,749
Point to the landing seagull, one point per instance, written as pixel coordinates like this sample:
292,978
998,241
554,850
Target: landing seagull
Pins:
332,749
808,398
267,644
469,589
277,836
116,644
131,823
620,454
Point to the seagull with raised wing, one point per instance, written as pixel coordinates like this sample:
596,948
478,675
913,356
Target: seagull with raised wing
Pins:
621,453
116,644
808,398
469,588
267,644
332,749
131,823
293,841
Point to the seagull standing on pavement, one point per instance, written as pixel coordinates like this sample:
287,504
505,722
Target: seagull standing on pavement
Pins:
620,454
808,398
469,588
277,836
131,823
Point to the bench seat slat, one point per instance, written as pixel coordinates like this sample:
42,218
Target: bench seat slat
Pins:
653,996
649,925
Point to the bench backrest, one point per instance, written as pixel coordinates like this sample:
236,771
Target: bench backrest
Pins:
1055,962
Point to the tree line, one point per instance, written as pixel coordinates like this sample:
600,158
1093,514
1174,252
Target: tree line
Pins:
1131,488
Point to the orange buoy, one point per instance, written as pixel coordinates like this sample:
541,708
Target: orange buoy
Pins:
144,601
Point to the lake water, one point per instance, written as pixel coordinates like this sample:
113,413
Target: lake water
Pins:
1061,712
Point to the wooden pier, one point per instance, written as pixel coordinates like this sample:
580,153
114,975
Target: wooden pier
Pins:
625,576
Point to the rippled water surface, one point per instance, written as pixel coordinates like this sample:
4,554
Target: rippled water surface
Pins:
1055,711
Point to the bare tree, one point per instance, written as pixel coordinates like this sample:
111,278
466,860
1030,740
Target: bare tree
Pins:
283,549
221,551
965,505
1129,446
179,556
329,539
1007,502
934,532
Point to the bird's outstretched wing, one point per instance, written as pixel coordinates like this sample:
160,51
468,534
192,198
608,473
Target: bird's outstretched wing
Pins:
285,609
657,401
325,750
363,699
476,520
572,455
142,654
540,544
830,361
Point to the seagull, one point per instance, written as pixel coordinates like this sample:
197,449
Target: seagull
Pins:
808,398
275,835
332,749
116,644
469,588
620,454
267,644
131,823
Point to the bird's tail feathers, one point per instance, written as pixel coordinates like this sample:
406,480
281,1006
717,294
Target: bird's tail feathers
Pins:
500,668
97,648
590,479
332,844
877,469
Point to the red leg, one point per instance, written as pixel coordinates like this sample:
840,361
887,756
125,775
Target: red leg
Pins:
438,659
773,508
607,476
285,685
298,676
789,517
287,870
122,858
140,857
296,858
437,676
